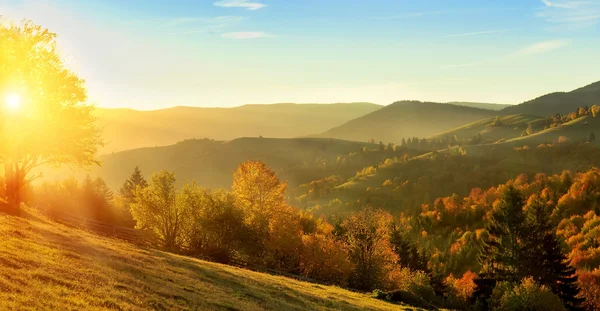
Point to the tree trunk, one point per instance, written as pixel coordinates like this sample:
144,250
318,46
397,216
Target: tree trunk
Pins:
13,181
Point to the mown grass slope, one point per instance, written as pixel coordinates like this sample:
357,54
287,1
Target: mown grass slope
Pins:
512,127
49,266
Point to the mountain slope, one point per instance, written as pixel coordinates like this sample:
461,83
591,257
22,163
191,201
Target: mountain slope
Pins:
558,102
211,163
509,127
48,266
407,119
125,129
488,106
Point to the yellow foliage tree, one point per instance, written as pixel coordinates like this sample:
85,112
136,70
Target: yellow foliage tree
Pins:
259,192
43,120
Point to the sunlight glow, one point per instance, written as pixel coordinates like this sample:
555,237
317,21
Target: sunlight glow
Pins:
12,102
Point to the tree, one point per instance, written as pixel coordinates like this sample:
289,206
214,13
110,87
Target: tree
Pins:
136,179
592,137
127,194
52,125
367,234
502,255
546,262
161,208
217,229
260,194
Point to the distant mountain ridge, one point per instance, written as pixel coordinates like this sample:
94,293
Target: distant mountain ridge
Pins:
405,119
125,129
558,102
489,106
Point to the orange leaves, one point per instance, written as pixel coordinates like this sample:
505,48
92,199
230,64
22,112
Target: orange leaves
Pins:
589,284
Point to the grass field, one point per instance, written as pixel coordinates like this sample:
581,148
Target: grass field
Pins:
49,266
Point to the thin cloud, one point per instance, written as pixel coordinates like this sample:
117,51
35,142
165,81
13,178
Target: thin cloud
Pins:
575,13
245,4
541,47
408,15
486,32
246,35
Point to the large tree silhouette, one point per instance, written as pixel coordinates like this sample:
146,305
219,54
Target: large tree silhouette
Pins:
51,125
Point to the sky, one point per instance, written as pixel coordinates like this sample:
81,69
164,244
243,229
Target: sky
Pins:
153,54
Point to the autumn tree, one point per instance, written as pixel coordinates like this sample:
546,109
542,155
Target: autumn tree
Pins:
367,234
217,230
47,122
260,194
161,208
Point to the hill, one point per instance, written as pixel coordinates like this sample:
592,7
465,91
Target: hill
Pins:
488,106
130,129
407,119
558,102
506,127
49,266
211,163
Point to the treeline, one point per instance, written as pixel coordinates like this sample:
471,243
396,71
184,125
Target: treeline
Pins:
553,222
401,185
252,224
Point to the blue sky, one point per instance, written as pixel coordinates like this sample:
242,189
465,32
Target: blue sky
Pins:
154,54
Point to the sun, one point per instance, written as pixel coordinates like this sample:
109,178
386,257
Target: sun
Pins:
12,102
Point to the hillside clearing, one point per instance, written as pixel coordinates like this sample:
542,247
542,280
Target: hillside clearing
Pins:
49,266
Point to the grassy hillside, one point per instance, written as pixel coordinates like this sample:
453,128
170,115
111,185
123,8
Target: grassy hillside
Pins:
407,119
48,266
559,102
510,127
488,106
126,129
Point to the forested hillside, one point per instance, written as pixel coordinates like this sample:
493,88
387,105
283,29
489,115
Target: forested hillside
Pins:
558,102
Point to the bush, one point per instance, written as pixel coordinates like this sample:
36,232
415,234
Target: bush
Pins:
415,282
408,298
527,296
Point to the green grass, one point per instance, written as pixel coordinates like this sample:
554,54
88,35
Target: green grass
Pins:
513,126
49,266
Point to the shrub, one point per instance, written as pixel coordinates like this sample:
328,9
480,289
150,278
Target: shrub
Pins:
527,296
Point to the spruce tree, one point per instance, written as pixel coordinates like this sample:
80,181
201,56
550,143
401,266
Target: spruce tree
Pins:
127,191
129,186
501,255
546,263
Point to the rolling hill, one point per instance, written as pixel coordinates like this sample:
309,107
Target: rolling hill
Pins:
125,129
510,127
407,119
488,106
558,102
49,266
211,163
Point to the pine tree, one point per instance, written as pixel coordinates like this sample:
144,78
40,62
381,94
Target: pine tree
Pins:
127,192
128,188
501,255
546,262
